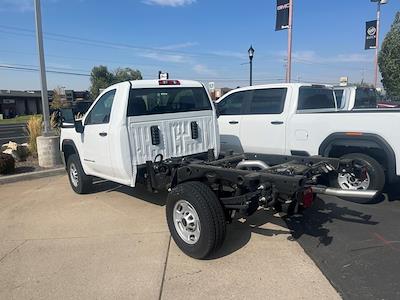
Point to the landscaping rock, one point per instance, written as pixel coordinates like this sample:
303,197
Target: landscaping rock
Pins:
18,152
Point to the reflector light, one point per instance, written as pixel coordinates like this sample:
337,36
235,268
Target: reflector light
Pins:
354,133
169,82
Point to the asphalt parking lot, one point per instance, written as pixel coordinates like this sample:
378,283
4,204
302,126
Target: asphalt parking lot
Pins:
356,246
114,243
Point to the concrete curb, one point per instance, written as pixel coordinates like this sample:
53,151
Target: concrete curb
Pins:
32,175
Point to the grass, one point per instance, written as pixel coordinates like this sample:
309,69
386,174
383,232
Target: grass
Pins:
34,128
17,120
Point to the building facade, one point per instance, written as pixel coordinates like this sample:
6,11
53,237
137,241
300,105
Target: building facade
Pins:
17,103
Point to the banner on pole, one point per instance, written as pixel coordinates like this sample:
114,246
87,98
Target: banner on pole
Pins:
370,35
282,14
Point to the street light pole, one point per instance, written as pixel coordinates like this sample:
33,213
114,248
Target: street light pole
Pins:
251,55
39,41
289,58
378,21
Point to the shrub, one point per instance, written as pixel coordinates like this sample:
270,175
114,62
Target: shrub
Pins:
7,163
34,128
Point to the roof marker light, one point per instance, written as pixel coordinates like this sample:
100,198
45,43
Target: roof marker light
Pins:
169,82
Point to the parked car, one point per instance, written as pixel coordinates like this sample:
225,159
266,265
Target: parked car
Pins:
353,97
302,119
164,134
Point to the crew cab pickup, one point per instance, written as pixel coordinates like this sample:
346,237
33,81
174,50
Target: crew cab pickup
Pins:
164,134
303,119
354,97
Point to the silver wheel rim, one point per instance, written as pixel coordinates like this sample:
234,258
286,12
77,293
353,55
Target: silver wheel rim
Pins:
187,222
348,181
73,174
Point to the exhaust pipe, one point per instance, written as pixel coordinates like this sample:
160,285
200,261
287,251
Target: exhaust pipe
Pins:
361,194
246,164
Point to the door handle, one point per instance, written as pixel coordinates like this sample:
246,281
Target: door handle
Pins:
233,122
103,133
277,122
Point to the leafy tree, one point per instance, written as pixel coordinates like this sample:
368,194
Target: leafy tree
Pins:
389,59
56,103
101,78
126,74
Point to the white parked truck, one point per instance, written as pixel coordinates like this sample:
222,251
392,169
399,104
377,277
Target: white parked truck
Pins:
303,119
355,98
164,134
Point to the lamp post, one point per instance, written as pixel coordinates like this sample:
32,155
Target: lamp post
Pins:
39,41
378,20
47,144
251,55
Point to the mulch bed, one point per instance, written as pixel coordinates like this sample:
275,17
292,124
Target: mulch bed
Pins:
30,165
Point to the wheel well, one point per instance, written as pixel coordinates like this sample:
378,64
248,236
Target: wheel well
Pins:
339,144
68,149
378,154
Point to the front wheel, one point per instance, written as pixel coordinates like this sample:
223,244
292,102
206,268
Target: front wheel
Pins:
371,175
195,219
80,182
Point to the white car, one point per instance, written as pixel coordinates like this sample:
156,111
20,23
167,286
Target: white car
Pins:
303,119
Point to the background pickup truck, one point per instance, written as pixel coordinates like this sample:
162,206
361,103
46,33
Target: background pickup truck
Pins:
303,119
353,97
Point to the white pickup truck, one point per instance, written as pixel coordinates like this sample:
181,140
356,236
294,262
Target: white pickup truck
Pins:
355,98
303,119
164,134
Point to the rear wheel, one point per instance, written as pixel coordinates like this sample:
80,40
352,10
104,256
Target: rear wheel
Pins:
195,219
371,175
80,182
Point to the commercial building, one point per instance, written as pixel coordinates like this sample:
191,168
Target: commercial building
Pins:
15,103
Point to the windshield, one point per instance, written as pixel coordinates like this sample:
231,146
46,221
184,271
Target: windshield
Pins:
167,100
365,98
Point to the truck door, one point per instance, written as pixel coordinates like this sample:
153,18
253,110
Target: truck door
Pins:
262,127
230,111
96,148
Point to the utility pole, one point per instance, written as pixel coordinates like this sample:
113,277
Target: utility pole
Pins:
289,54
39,41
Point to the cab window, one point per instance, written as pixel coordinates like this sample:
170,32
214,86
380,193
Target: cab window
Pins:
268,101
233,104
100,113
316,98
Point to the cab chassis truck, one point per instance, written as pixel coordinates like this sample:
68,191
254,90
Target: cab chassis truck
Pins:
164,134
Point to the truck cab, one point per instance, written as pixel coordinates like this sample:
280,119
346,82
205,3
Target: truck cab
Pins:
353,97
132,122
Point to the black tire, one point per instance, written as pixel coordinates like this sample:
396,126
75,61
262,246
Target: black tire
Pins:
374,170
210,215
83,183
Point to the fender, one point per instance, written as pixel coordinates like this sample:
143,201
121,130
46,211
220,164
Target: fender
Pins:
68,142
362,140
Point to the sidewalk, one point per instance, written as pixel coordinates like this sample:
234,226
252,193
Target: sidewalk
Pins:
115,244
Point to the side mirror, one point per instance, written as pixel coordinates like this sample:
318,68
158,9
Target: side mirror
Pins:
79,128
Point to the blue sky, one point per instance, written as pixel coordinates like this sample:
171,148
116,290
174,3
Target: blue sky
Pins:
191,39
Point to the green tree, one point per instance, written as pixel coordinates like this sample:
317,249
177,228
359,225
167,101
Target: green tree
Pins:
56,103
102,78
125,74
389,59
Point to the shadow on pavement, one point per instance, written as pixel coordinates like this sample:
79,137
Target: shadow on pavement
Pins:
313,220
